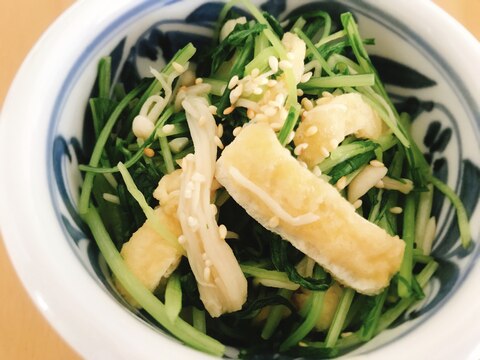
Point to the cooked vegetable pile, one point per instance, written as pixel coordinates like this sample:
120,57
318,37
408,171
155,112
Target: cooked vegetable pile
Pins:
263,193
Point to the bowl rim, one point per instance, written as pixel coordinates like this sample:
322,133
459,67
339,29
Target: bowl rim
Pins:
75,326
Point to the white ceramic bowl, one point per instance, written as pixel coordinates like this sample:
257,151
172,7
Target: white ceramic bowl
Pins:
43,115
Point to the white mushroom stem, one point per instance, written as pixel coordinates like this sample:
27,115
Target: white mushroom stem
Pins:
221,283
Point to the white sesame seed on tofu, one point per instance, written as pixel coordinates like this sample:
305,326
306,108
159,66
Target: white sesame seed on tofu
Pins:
236,131
274,222
312,130
300,148
357,204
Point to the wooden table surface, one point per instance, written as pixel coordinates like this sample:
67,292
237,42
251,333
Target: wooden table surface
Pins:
24,333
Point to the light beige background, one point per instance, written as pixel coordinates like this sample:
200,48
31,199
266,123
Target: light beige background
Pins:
24,334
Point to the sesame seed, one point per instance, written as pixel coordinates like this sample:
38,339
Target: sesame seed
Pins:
274,222
258,90
300,92
273,63
303,164
357,204
207,273
316,171
396,210
262,80
307,104
312,130
228,110
233,82
272,83
190,157
250,114
269,110
204,256
290,137
327,94
208,263
198,81
261,117
302,344
167,129
236,93
300,148
181,239
192,222
276,126
218,142
341,183
178,67
280,99
305,77
214,209
222,231
213,109
220,130
255,72
324,152
202,120
380,184
285,64
114,199
149,152
236,131
376,163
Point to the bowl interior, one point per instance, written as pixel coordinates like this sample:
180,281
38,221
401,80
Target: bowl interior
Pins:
420,79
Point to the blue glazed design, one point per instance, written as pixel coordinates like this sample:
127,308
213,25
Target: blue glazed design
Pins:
163,38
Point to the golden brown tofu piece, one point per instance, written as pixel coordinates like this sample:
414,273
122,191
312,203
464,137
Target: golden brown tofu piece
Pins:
286,198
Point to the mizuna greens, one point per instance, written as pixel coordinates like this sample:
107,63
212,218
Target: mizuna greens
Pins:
232,282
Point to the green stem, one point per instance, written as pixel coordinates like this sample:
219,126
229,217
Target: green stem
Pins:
339,317
167,154
173,297
179,328
275,316
198,319
100,145
338,81
309,322
462,216
405,285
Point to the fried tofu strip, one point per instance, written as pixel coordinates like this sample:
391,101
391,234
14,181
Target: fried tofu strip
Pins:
289,200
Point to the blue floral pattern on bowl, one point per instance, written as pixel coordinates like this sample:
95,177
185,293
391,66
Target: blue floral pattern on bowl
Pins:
437,129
